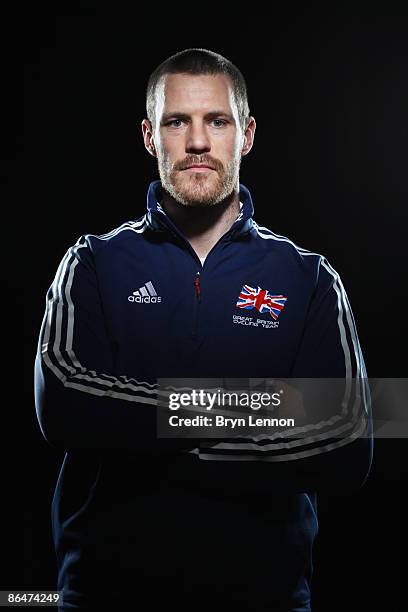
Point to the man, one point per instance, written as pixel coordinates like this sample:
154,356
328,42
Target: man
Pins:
194,289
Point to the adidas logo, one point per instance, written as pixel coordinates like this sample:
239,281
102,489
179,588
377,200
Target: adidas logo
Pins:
146,294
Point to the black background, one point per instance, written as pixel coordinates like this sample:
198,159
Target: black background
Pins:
328,88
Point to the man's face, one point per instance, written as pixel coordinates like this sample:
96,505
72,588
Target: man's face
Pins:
197,122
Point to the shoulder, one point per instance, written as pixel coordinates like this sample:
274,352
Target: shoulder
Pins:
88,246
283,244
129,230
292,254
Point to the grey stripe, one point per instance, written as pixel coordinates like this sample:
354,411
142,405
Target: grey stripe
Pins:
126,225
143,291
287,457
58,304
94,390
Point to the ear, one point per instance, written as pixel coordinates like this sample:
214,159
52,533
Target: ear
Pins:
249,135
147,131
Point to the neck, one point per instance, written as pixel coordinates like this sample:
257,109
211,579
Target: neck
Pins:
202,226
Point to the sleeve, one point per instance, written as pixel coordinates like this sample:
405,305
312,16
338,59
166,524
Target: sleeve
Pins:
331,448
337,444
80,401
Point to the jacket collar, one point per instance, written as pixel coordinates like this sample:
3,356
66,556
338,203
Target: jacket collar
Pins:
158,220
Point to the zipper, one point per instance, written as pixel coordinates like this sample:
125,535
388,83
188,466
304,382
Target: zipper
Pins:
170,226
197,292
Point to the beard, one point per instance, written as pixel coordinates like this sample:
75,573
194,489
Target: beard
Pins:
199,189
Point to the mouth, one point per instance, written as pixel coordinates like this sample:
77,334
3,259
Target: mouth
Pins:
199,168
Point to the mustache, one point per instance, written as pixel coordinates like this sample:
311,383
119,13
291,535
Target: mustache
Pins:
191,161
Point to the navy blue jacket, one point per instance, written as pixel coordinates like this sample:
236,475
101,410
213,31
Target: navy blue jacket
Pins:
136,304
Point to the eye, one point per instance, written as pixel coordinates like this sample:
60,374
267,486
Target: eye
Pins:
219,122
173,121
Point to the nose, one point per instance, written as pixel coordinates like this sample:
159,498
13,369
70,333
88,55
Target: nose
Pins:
197,139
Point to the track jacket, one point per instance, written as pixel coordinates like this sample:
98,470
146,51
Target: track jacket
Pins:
136,304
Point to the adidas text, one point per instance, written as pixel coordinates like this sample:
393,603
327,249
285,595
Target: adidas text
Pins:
147,299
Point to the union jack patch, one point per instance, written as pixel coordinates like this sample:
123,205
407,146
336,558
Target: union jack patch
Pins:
262,300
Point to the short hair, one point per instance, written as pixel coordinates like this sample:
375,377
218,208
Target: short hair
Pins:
199,61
